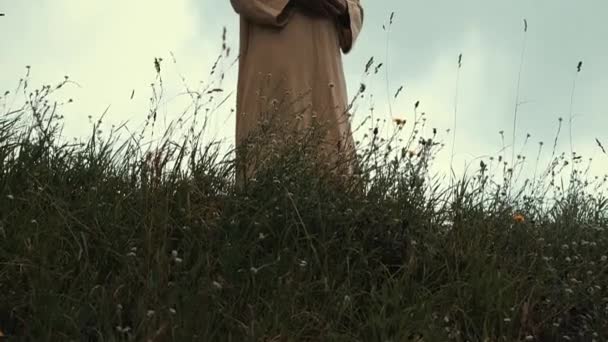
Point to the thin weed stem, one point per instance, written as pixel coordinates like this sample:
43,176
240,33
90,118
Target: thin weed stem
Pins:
455,124
517,94
571,116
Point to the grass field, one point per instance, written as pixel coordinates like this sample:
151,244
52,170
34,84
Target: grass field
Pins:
114,240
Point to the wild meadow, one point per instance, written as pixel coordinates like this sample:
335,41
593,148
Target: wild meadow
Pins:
125,236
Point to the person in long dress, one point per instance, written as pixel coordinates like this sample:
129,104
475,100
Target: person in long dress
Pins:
290,70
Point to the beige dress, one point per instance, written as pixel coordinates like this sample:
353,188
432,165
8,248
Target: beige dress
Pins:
290,72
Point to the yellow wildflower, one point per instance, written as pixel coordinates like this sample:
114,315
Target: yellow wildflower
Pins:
519,218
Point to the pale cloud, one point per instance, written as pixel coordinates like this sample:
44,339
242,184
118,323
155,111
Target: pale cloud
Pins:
107,47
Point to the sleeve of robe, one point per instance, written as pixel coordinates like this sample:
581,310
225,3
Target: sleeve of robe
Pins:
263,12
351,26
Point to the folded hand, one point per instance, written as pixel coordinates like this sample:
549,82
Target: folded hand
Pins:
323,8
313,7
336,8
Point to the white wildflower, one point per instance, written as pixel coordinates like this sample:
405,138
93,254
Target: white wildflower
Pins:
123,330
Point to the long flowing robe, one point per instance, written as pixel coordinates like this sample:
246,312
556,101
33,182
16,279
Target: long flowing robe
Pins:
290,66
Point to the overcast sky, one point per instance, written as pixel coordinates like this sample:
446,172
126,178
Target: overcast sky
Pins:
109,46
